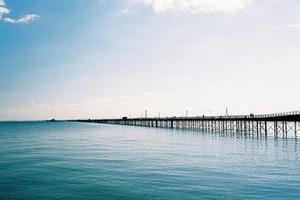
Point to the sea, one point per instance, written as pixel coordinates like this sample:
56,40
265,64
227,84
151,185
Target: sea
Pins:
82,161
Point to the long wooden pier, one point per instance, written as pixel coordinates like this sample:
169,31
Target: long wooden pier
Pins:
285,125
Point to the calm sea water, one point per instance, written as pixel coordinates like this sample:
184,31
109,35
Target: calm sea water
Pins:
91,161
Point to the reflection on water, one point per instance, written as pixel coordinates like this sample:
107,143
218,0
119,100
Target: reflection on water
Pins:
254,140
93,161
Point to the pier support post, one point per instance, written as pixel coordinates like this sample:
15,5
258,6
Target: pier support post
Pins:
295,130
266,129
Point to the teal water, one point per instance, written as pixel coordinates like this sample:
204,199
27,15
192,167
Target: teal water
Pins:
91,161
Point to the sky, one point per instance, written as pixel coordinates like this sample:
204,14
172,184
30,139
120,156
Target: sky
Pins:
72,59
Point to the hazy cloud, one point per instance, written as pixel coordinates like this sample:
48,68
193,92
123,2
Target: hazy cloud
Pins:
289,26
196,6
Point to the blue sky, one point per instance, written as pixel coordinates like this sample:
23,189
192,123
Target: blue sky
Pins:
110,58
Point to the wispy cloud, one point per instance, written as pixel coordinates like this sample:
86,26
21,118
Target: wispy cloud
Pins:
23,20
128,11
4,11
196,6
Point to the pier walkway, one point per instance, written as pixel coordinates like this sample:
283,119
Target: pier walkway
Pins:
285,125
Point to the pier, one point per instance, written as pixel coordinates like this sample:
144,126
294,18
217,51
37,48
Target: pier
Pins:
284,125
